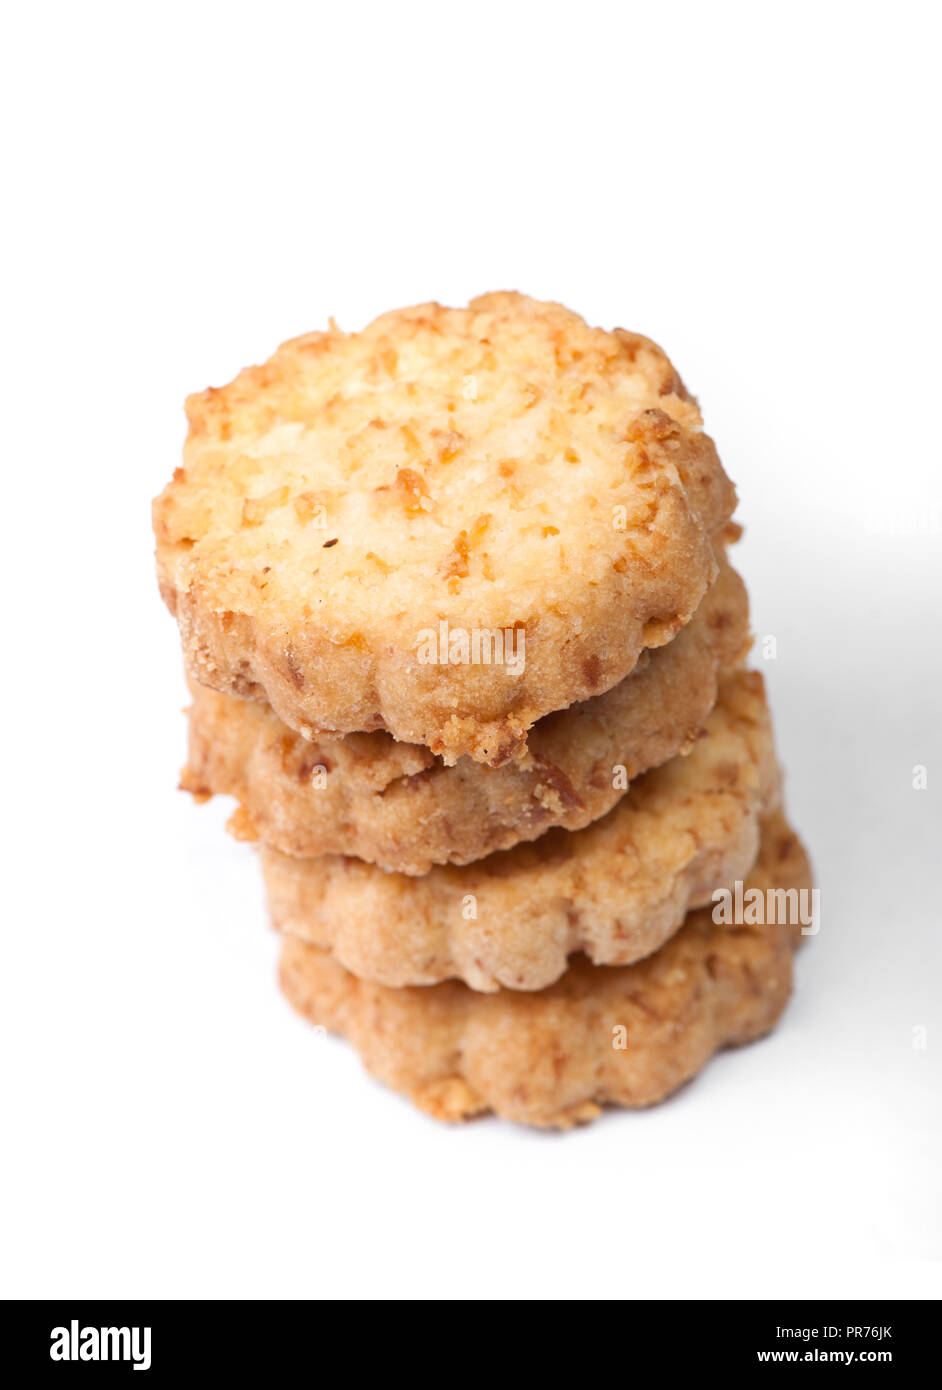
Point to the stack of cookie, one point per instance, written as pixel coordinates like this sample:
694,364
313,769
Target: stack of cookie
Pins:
465,643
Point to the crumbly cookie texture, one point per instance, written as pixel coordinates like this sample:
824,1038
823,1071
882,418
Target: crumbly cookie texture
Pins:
397,805
624,1036
364,503
616,890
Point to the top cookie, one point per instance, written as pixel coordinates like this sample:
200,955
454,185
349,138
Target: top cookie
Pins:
445,526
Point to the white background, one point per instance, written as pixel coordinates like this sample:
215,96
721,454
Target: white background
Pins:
186,186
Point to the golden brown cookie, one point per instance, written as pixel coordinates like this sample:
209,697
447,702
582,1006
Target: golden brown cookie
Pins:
397,805
616,890
446,526
600,1036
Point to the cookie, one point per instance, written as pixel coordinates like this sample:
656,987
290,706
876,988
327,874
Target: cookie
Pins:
397,805
446,526
616,890
601,1035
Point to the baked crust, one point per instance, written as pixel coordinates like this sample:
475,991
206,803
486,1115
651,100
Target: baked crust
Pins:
551,1059
616,890
497,469
398,806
